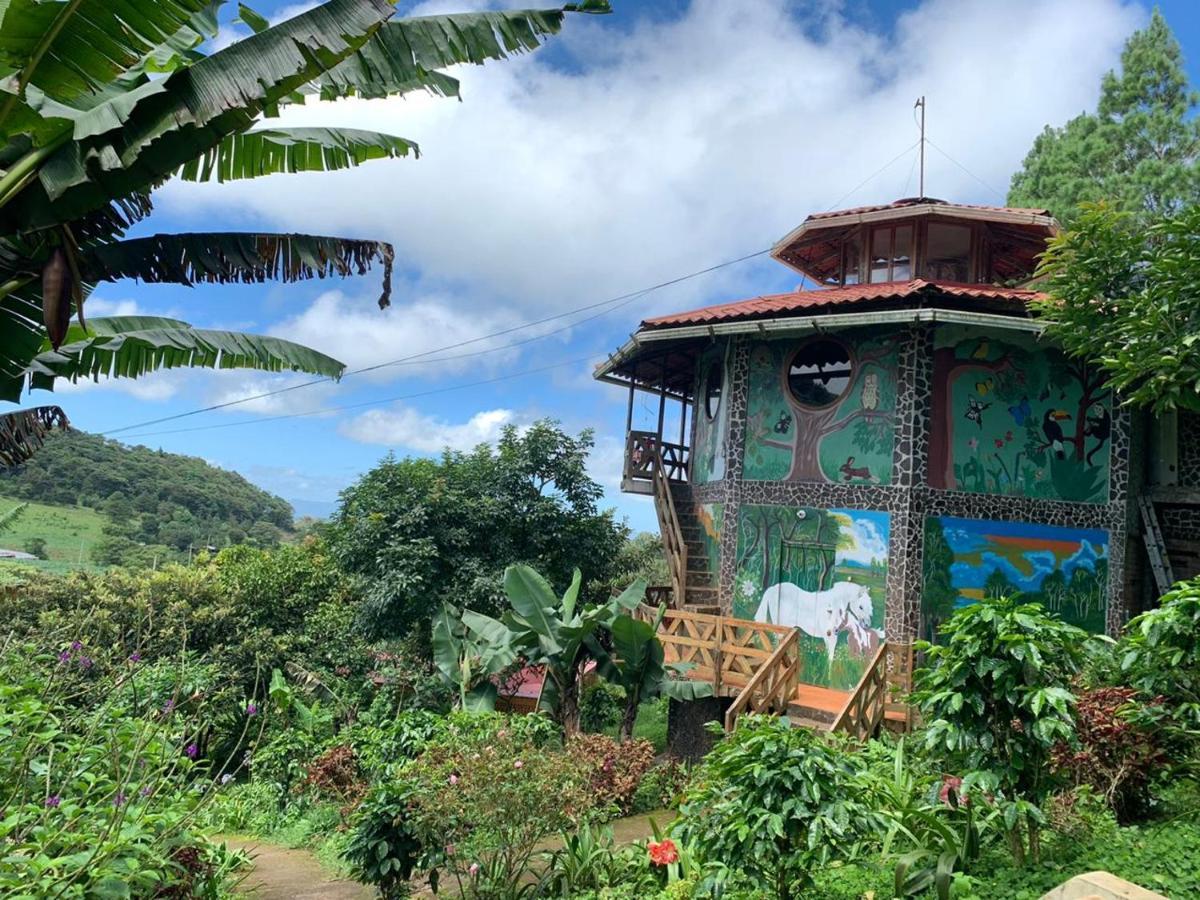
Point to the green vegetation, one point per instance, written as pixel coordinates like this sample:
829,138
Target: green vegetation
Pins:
69,534
1140,151
160,507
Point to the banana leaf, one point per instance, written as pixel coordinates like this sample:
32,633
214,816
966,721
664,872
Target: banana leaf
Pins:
23,432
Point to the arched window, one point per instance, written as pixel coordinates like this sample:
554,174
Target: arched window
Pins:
712,390
820,373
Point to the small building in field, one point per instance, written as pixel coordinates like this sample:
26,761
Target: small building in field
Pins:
859,459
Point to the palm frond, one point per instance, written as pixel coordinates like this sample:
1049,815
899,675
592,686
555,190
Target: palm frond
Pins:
23,432
72,50
269,151
225,257
119,347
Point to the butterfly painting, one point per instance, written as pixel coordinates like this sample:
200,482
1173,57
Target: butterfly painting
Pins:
784,423
1021,412
975,410
983,388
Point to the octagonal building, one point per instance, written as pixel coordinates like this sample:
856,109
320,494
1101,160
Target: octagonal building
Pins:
859,459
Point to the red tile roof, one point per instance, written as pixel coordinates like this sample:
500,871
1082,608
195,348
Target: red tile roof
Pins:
920,201
782,304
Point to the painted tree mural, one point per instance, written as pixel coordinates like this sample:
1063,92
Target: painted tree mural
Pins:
708,448
1012,417
847,440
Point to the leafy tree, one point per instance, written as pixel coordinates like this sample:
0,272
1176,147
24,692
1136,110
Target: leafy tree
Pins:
996,699
1122,295
1162,656
100,103
422,532
775,802
1139,151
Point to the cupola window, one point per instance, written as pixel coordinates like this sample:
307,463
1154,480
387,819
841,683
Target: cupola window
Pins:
712,390
948,252
891,253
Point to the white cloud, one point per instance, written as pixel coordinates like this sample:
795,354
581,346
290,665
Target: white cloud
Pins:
246,388
407,428
869,544
102,306
669,145
359,334
153,388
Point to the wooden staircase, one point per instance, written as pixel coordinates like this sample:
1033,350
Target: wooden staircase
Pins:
700,577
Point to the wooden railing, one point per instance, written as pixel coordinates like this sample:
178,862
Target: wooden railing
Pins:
878,694
643,450
724,651
772,686
674,546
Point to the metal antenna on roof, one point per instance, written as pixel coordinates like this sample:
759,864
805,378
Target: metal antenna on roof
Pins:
921,182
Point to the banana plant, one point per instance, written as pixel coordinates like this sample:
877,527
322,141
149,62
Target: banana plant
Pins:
470,651
636,663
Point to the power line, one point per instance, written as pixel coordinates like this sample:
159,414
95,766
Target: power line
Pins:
991,189
348,406
612,304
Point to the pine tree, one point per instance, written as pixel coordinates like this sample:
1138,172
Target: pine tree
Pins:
1140,150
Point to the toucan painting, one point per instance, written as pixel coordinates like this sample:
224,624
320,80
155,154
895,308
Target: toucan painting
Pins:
1054,431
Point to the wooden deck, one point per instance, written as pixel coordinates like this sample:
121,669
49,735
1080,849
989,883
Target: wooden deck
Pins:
760,667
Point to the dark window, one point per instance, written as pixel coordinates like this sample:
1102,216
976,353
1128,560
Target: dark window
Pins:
820,373
891,254
712,390
852,259
948,252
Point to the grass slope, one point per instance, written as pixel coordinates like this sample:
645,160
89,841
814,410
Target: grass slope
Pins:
64,529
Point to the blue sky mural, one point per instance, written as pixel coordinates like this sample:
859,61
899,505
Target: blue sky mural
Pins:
609,162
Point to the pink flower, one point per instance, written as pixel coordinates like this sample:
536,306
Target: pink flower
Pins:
453,778
951,791
449,849
473,869
973,443
518,765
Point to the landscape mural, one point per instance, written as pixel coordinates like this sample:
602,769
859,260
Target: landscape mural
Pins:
848,441
712,518
823,571
708,451
1013,417
964,560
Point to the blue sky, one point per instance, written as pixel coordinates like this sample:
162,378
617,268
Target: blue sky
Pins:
635,148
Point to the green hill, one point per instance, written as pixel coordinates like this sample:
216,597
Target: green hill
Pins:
70,534
150,505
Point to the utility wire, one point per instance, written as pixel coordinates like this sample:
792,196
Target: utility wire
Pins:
326,410
612,304
873,176
991,189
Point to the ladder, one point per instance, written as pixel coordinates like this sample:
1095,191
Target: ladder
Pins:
1156,548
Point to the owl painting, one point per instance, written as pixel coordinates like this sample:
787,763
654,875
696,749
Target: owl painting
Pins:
870,391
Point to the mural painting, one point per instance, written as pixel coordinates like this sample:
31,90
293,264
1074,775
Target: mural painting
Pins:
1013,417
845,434
711,517
711,416
964,560
822,571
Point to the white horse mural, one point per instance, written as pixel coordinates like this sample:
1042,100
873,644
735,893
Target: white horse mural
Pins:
822,614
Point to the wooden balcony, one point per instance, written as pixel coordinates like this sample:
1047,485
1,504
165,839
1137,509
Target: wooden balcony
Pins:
760,667
643,450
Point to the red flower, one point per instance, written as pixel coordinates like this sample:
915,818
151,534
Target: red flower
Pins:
999,443
1008,435
951,791
664,853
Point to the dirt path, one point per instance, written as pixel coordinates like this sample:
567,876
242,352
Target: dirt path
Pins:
283,874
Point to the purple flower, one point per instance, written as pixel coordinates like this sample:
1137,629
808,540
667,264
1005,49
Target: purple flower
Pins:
135,657
85,662
119,799
168,706
76,645
251,709
191,751
52,801
146,791
65,656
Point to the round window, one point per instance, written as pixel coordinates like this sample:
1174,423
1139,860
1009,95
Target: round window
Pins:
820,373
712,390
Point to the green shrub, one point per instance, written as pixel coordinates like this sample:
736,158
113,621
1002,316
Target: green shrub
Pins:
775,802
1161,656
99,799
661,787
600,706
384,848
996,697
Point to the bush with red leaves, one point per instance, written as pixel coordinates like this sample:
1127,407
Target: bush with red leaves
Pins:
613,769
335,775
1118,750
